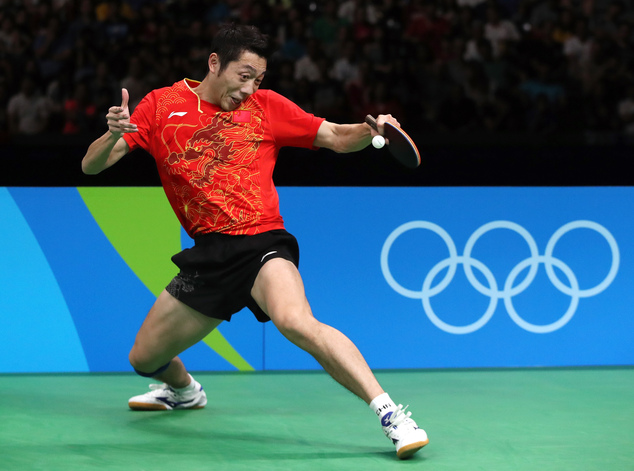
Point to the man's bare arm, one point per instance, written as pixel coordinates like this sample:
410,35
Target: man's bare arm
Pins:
103,153
109,148
343,138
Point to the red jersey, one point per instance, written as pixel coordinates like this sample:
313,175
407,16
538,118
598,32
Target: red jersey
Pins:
216,166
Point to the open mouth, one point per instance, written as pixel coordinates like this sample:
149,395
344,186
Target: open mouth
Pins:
235,101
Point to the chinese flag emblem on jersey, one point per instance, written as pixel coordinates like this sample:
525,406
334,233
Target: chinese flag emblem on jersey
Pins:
241,116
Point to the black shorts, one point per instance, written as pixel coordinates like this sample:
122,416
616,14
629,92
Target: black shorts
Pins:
217,274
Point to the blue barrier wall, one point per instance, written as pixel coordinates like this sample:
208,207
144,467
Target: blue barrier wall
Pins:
416,277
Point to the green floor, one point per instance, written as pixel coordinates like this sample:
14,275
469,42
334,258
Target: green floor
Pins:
536,419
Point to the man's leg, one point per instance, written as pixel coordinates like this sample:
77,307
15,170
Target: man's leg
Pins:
170,328
279,291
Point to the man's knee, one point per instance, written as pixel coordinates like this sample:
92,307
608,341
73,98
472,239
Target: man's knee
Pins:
144,366
298,329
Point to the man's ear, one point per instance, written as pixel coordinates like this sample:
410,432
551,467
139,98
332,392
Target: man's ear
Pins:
214,63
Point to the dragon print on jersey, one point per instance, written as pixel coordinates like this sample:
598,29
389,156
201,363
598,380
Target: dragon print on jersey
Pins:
214,171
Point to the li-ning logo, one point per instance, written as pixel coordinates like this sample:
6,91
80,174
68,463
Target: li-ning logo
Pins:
506,294
177,113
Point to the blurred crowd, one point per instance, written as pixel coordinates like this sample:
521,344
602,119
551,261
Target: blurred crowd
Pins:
442,66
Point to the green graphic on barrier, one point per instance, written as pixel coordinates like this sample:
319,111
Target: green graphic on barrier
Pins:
141,226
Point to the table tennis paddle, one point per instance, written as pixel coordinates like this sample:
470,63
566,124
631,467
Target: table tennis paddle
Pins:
399,143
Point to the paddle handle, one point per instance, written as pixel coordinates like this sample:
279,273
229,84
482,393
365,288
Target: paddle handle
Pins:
372,122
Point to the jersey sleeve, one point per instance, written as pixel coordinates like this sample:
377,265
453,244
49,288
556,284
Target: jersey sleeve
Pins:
290,125
144,117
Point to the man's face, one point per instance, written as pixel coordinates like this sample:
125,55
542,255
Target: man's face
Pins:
239,80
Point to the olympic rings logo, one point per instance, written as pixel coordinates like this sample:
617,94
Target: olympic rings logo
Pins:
510,289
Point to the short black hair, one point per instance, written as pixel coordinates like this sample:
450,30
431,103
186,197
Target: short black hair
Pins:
232,40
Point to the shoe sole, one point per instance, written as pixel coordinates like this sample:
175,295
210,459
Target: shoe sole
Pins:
408,450
156,407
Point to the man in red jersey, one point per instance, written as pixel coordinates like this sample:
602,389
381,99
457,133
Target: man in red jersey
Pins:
215,144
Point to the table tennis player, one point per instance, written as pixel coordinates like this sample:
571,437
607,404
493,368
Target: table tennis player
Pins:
215,144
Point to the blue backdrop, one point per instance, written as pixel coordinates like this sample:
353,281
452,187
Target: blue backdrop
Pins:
416,277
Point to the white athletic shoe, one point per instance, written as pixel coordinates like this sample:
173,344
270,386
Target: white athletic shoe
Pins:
403,431
163,397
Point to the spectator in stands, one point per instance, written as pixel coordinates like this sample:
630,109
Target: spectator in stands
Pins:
325,28
357,91
361,28
376,51
623,42
135,81
605,24
498,30
601,65
69,41
474,38
84,58
347,11
496,68
80,112
294,44
85,20
565,26
345,68
285,83
7,32
306,67
104,82
543,11
381,99
304,95
328,94
28,110
391,20
425,25
52,49
578,48
455,61
116,20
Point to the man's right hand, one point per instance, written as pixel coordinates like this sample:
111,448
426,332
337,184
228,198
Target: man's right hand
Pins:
118,117
109,148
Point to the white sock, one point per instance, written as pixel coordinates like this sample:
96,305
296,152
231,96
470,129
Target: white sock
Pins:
191,386
381,404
